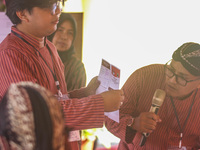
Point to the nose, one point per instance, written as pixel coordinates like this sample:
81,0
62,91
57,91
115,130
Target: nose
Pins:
173,79
64,35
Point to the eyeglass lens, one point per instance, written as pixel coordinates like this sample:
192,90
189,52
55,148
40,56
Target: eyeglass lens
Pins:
179,79
56,6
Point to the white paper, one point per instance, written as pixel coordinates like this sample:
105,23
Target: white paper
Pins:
109,76
5,26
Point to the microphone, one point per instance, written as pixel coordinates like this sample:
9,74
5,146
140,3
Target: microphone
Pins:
157,101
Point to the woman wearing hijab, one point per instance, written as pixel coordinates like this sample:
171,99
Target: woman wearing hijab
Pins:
31,118
63,39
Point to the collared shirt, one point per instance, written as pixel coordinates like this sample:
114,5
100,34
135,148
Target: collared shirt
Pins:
21,62
139,90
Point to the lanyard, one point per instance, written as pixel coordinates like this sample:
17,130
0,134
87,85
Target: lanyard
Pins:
52,71
189,112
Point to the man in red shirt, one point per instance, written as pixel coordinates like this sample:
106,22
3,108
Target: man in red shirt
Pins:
177,124
26,55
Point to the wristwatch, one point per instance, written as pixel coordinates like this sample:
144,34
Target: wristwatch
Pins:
130,122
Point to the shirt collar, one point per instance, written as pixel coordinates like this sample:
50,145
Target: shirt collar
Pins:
33,41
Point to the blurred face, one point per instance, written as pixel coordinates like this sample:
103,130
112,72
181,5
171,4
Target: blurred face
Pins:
64,36
175,84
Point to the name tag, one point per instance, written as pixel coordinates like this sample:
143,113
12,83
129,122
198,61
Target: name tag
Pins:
74,136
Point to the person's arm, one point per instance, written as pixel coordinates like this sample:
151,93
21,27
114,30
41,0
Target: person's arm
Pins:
88,112
135,106
86,91
127,111
122,130
82,113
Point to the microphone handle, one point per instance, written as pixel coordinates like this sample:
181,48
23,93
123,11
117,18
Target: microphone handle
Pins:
143,140
145,135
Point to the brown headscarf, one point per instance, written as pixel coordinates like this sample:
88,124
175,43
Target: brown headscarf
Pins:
189,56
31,118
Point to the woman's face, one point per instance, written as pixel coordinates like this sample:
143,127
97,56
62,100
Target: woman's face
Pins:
64,36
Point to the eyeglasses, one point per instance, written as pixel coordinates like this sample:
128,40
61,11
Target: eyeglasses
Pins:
55,6
180,80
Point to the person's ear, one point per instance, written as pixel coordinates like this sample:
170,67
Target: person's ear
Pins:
23,15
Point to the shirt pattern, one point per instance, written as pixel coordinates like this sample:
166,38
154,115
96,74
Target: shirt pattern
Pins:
139,90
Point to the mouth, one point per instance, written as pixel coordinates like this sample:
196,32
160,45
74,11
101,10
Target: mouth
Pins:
55,21
62,44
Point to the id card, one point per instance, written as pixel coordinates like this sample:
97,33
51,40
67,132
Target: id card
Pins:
63,97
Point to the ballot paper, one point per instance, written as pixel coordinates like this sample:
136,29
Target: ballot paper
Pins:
109,76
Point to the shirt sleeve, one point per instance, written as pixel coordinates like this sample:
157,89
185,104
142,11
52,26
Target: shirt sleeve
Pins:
83,113
127,110
78,93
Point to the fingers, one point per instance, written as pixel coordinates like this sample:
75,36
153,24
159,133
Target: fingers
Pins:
153,116
122,97
92,86
146,122
112,99
110,89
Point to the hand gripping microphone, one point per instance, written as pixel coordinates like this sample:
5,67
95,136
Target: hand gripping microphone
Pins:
157,101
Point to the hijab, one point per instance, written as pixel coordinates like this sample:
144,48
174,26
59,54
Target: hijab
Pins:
64,55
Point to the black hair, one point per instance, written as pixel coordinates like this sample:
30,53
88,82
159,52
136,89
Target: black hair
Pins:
42,119
12,6
3,116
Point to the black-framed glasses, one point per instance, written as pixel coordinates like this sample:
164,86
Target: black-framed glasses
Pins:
180,80
55,6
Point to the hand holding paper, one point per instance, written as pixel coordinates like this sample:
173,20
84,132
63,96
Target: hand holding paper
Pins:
112,100
109,77
92,86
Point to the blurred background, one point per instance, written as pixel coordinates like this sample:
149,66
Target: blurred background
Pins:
130,34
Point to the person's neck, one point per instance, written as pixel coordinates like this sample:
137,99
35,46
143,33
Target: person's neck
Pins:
185,96
26,31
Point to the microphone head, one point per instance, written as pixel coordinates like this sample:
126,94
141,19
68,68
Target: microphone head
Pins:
158,97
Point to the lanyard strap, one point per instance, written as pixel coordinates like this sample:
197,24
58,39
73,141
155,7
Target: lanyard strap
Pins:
189,112
52,71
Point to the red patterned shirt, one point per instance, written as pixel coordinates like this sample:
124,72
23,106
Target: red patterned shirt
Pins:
139,90
19,61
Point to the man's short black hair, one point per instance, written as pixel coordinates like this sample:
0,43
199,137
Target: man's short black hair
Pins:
12,6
